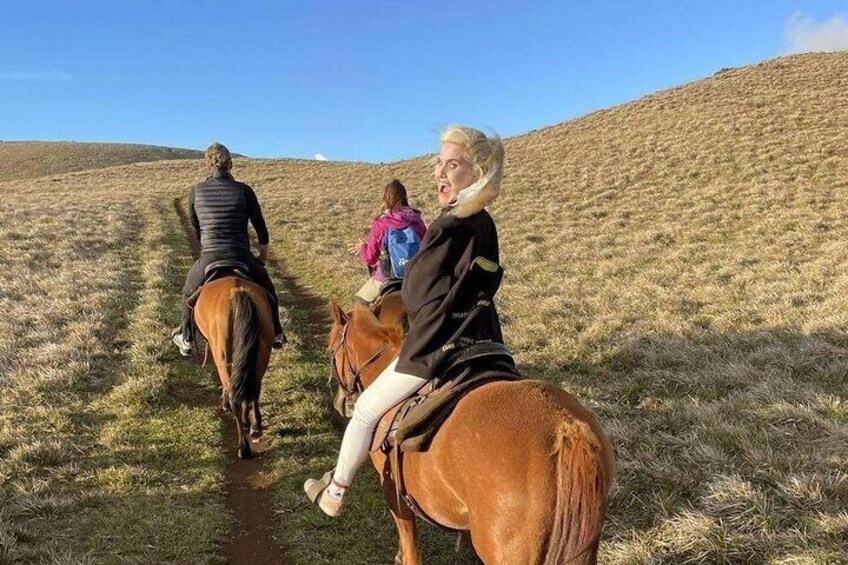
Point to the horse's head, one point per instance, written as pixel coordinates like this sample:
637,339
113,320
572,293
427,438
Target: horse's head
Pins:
360,347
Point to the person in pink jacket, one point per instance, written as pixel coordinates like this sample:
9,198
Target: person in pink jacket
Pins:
395,212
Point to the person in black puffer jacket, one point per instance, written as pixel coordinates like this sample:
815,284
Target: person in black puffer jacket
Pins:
220,208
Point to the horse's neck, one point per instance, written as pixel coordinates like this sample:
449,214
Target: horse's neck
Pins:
370,374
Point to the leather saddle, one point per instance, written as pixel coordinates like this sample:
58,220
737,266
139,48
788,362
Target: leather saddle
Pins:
226,267
411,424
220,269
389,286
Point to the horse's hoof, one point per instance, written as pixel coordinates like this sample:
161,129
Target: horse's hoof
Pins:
244,452
256,432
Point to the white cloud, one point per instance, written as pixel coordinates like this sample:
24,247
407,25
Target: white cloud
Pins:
804,34
319,157
34,76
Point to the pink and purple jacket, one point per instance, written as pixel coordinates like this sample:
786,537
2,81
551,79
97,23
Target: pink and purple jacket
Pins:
399,218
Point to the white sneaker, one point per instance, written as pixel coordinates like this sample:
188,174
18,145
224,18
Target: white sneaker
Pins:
316,490
279,341
183,345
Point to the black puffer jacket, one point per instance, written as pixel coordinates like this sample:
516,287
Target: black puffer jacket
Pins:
220,208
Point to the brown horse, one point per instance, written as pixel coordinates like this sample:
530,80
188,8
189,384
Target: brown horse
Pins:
234,315
521,465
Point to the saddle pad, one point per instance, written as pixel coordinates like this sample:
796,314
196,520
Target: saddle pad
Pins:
385,427
421,417
413,423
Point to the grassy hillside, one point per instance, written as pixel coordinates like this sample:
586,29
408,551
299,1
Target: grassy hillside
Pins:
108,452
678,262
31,159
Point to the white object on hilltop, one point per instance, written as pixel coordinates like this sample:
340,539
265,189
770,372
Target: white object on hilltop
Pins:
319,157
804,34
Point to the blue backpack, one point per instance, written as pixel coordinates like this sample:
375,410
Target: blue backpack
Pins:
401,245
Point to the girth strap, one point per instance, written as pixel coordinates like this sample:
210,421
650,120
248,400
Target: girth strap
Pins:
404,499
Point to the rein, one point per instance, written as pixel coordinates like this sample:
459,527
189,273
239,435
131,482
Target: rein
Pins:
354,387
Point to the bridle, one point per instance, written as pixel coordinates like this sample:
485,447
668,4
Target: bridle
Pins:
353,387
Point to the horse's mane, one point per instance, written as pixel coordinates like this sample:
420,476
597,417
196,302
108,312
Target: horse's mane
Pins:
333,337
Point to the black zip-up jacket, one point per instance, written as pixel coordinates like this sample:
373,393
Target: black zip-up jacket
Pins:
219,209
444,285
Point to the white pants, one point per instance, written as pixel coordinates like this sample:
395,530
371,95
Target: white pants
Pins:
388,389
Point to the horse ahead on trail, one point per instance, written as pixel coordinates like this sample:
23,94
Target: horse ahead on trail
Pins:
234,315
519,464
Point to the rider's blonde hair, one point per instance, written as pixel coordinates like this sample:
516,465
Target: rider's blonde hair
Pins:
218,157
486,155
484,152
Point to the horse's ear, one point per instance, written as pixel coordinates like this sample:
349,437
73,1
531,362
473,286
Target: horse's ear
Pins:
339,316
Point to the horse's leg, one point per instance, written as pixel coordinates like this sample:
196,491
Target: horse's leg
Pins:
238,409
225,400
245,426
256,427
403,516
408,553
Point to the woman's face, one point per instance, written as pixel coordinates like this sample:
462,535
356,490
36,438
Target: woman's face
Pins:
453,172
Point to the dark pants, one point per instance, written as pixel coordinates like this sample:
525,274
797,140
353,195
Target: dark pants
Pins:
197,273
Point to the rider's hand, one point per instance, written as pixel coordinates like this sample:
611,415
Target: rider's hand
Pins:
354,248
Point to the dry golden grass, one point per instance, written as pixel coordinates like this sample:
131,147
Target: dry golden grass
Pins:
99,461
31,159
678,262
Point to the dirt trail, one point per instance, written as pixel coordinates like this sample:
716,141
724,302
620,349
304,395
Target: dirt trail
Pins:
249,492
249,483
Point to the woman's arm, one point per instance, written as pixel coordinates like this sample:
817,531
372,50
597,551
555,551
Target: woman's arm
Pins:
192,214
370,250
254,212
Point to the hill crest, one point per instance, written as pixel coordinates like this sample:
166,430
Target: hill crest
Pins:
32,159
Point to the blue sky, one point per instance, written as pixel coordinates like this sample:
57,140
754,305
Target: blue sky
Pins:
370,81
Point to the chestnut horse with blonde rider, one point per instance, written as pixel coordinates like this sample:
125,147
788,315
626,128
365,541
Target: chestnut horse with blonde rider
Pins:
521,465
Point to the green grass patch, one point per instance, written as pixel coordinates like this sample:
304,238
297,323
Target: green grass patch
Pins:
100,462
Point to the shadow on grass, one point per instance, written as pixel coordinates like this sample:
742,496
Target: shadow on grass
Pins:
106,368
132,526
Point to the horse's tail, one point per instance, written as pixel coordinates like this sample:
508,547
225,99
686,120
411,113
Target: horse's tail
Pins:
245,339
580,497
